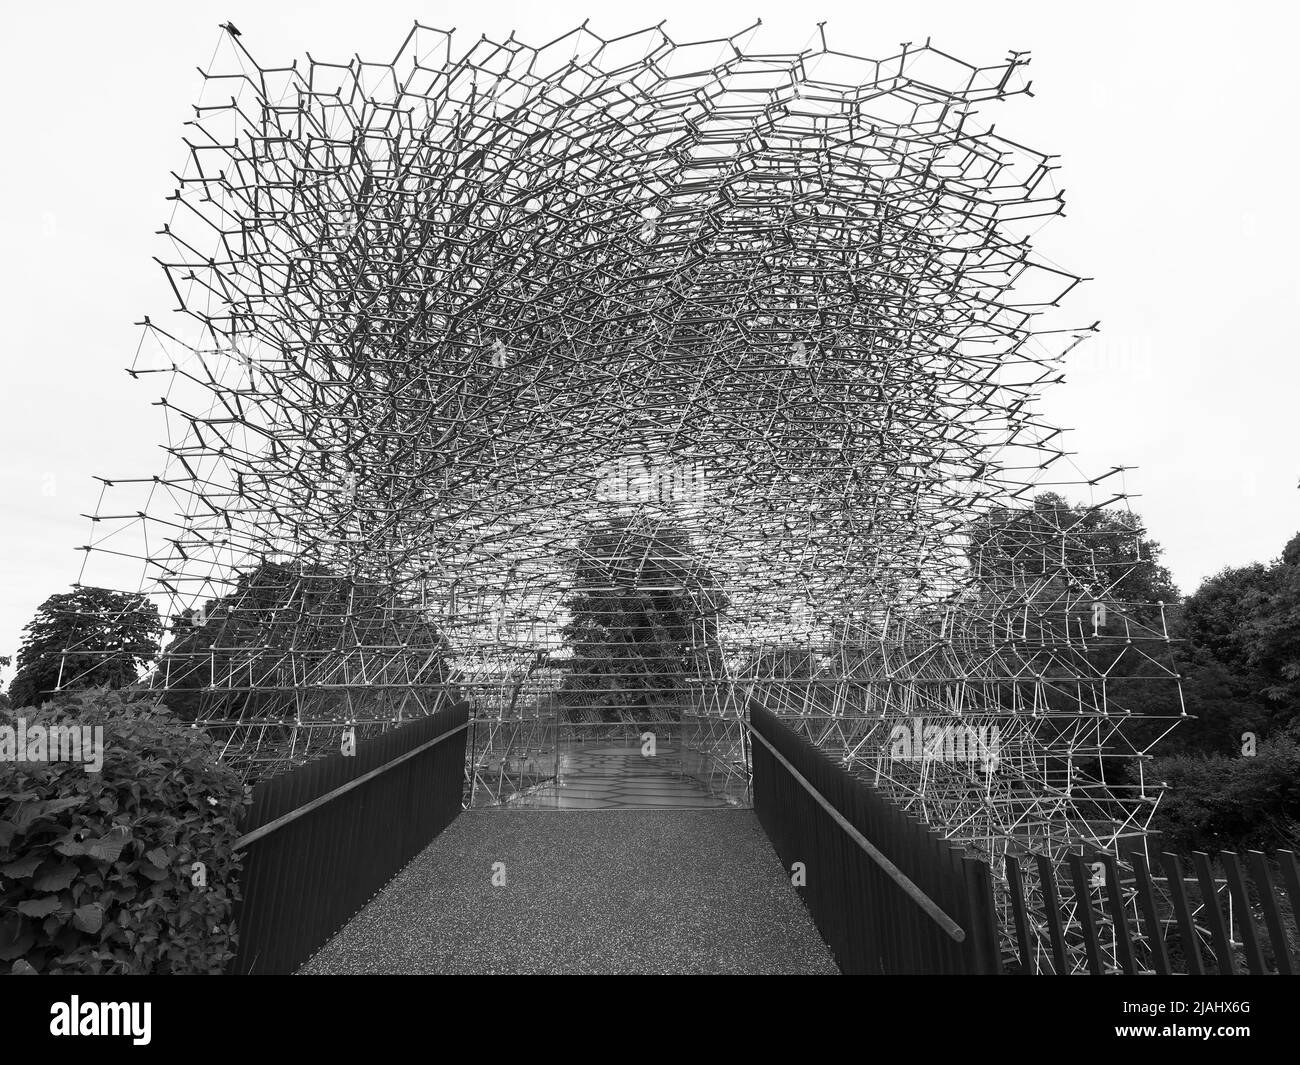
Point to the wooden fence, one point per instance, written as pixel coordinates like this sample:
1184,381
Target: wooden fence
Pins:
1101,915
322,839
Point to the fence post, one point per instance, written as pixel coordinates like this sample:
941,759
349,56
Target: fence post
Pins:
981,918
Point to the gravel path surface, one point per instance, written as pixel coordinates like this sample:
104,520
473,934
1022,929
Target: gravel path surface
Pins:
610,891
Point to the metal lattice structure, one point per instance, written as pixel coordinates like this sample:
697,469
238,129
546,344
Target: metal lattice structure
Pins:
499,364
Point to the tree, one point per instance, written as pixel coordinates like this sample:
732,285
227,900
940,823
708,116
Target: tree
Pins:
1273,633
288,627
1086,588
1056,565
1240,661
1054,546
1242,654
643,613
86,638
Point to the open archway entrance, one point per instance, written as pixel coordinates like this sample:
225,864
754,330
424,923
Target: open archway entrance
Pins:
626,712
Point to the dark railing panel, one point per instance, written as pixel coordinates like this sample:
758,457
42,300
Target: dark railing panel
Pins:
322,839
887,893
1120,927
1146,897
1240,899
1270,904
1212,914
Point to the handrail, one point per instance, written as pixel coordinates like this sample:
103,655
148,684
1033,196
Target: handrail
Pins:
262,831
913,892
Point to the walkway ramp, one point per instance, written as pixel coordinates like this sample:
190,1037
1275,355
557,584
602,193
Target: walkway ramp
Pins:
586,891
605,777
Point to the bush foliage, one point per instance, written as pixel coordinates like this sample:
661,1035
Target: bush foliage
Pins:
1231,803
98,870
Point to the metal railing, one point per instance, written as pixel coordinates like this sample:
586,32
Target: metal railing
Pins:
324,838
887,893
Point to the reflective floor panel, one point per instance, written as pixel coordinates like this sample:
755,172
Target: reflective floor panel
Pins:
611,778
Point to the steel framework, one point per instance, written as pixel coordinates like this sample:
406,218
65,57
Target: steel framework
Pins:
501,364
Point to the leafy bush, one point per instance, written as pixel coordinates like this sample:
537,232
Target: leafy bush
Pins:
97,869
1237,804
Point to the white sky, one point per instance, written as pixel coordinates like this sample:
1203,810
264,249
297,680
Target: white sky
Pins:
1175,124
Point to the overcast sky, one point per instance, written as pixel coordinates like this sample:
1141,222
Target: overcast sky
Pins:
1174,124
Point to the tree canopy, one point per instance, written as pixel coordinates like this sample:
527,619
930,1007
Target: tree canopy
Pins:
289,625
1241,641
86,638
1088,550
643,611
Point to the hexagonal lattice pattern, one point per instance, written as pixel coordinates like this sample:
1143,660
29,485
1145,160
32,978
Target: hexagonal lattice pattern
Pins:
618,383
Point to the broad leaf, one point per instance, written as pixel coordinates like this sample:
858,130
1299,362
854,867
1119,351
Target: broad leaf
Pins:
109,847
23,867
148,869
88,918
41,907
55,878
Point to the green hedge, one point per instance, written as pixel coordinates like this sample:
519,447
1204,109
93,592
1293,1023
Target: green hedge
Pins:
1241,803
125,870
